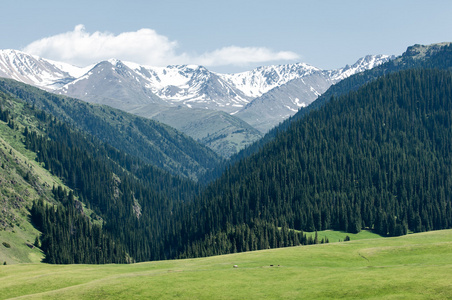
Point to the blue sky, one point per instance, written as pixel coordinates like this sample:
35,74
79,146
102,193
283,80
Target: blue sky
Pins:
225,36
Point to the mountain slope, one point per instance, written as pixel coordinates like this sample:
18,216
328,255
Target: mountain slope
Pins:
111,83
96,184
266,111
23,182
437,56
297,89
262,97
20,185
153,142
223,133
377,158
434,56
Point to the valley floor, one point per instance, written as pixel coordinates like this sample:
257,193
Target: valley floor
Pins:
416,266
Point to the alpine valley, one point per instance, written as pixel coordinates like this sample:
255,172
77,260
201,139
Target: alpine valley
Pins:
226,112
361,152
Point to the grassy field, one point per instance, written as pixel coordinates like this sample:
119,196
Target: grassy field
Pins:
417,266
339,236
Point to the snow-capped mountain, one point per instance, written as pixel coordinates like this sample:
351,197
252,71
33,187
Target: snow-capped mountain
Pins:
257,82
37,71
193,86
283,101
287,88
363,64
262,97
112,83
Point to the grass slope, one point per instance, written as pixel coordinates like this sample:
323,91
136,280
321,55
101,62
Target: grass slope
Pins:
416,266
339,236
17,193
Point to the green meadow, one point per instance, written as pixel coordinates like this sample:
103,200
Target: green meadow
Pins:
416,266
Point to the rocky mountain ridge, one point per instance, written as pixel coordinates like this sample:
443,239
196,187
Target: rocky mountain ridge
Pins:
186,96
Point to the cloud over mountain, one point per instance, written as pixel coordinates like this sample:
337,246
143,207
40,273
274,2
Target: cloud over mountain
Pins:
144,46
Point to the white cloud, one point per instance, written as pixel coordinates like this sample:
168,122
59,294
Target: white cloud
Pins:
82,48
144,46
239,56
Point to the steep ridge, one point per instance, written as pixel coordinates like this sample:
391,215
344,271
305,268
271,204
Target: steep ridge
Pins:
435,56
192,86
111,83
297,89
273,107
259,81
37,71
153,142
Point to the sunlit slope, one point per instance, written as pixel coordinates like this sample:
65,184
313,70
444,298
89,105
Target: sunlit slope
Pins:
416,266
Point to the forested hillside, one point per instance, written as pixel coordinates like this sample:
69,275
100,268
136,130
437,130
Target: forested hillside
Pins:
435,56
23,181
116,208
151,141
378,158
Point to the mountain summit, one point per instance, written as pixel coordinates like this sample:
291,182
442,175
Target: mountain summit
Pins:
262,97
192,86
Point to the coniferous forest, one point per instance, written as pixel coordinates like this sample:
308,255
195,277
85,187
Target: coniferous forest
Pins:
378,158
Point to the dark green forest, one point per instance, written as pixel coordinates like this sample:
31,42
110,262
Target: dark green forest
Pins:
145,207
378,157
69,237
133,198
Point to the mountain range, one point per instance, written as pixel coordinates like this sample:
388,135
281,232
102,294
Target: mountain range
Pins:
373,153
226,112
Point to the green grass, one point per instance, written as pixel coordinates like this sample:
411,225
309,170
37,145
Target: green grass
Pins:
18,238
337,236
17,195
416,266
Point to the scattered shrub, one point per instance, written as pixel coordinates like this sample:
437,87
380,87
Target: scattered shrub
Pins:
6,245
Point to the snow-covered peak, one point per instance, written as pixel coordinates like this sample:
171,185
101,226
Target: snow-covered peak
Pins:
44,73
190,85
365,63
186,78
29,69
114,61
72,70
262,79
